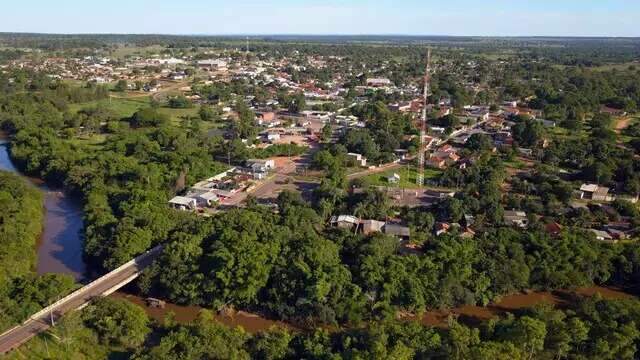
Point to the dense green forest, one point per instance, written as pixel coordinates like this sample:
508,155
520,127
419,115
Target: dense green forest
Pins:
290,264
21,291
588,329
21,221
145,159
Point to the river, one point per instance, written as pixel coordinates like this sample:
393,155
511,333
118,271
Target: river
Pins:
469,314
60,246
60,251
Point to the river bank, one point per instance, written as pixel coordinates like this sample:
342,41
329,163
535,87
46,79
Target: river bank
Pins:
61,245
60,251
184,314
471,315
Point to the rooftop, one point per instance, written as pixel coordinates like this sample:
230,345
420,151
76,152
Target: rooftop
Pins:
182,200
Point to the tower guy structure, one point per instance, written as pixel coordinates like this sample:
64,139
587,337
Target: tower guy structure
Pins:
423,122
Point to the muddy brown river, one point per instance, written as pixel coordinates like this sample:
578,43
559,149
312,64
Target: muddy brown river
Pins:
470,315
60,251
60,246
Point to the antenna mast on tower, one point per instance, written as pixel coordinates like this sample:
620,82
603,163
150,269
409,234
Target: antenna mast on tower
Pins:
423,122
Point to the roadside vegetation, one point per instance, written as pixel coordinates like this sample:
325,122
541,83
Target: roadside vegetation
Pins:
538,333
125,157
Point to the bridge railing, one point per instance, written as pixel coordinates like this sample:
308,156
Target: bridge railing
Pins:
93,284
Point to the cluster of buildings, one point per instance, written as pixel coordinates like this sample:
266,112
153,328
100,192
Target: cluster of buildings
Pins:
611,232
443,157
597,193
224,187
368,227
103,70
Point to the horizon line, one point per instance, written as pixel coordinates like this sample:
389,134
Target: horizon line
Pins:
322,35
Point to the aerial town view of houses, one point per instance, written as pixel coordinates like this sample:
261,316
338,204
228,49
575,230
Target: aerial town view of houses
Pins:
281,106
320,193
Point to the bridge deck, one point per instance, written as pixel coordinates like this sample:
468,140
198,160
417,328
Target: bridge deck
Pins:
105,285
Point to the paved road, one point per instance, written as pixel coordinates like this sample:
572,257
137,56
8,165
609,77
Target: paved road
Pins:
103,286
265,186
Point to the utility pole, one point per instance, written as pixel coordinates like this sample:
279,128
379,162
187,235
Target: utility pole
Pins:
423,123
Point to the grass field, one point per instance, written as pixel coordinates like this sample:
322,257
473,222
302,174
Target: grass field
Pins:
177,115
408,177
125,107
122,107
123,51
565,134
90,140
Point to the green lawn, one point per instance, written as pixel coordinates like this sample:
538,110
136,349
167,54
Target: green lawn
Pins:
408,177
177,115
123,51
94,141
561,133
125,107
122,107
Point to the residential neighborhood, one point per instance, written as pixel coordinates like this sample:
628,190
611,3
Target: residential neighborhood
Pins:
319,196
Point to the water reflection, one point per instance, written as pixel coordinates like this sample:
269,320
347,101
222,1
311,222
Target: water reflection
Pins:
60,247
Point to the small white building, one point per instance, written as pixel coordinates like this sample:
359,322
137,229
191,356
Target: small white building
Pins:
393,179
371,226
271,137
260,168
171,61
213,64
178,76
516,218
207,199
259,175
358,158
183,203
317,115
344,221
257,164
402,154
594,192
602,235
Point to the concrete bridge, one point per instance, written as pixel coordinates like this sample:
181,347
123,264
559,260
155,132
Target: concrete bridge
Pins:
105,285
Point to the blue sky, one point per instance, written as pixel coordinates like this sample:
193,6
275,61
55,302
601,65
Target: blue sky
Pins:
411,17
